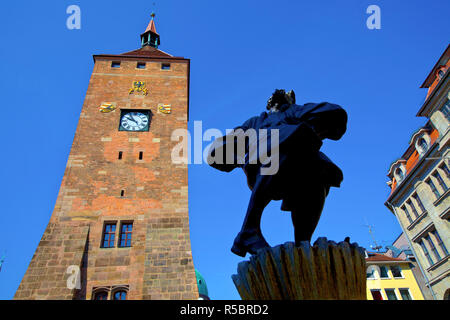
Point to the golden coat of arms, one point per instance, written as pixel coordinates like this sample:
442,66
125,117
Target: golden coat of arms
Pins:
106,107
164,108
139,86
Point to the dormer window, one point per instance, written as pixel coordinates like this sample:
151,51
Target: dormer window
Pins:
399,174
440,73
423,144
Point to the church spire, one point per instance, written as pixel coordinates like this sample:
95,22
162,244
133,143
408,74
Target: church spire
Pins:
150,37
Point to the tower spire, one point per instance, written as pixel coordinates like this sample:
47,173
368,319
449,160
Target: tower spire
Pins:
150,37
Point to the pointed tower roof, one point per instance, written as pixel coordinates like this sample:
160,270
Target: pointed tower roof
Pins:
150,41
151,26
150,37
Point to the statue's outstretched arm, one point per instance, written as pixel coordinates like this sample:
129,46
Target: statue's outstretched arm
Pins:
217,154
328,120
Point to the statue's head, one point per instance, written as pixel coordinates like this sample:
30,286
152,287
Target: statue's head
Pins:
280,97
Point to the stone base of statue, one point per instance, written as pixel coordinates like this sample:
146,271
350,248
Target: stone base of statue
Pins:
325,271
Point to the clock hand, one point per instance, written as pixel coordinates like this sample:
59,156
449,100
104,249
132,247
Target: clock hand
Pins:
138,121
132,119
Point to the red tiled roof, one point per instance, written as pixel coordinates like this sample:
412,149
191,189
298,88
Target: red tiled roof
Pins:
148,51
411,158
381,257
443,60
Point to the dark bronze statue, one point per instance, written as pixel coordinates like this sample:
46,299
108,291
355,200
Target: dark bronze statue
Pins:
303,175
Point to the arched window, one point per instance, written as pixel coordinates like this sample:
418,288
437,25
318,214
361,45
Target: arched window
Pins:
120,295
423,144
101,295
399,174
441,74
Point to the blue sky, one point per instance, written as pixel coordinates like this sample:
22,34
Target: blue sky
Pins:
240,52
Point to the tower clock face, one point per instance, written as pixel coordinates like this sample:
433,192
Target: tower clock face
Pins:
134,121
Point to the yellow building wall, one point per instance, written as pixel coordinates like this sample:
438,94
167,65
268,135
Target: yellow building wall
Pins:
408,281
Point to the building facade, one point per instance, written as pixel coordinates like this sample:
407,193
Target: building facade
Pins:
420,182
390,279
120,226
401,249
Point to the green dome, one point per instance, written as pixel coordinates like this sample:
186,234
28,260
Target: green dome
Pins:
201,284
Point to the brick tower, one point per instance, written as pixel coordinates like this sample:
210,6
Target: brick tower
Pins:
120,226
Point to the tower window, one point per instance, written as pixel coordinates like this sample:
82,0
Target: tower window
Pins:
120,155
140,65
141,155
122,193
110,292
165,66
109,233
126,231
115,64
101,295
120,295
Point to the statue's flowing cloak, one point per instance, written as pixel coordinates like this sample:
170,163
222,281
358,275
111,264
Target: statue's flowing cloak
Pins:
300,160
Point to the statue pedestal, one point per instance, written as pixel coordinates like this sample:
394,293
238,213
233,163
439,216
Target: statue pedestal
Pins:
324,271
